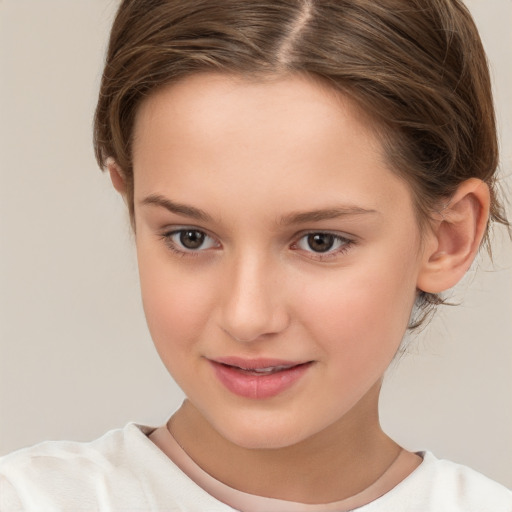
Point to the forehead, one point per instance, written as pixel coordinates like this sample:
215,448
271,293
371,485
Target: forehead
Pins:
295,106
210,132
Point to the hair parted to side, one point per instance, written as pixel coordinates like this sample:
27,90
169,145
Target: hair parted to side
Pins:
417,67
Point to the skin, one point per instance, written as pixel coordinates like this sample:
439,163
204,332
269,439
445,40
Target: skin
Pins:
254,157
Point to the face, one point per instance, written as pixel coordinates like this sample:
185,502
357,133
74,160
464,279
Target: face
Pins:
278,253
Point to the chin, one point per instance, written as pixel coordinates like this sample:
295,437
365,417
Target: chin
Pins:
262,436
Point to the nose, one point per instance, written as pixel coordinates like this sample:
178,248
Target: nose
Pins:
253,305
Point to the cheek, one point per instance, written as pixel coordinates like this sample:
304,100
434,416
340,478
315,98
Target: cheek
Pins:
176,306
362,313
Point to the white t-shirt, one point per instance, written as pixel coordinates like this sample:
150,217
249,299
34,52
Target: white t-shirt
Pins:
124,471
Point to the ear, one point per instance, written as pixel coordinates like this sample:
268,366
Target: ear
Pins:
455,238
116,176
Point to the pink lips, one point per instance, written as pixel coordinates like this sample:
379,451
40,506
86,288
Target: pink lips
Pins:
258,378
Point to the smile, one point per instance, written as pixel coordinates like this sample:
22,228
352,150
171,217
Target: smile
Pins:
258,379
263,371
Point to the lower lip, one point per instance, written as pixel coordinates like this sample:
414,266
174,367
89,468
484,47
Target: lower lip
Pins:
249,385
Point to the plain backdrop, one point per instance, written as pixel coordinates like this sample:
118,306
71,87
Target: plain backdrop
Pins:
75,357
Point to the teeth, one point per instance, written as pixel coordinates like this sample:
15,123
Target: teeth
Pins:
264,371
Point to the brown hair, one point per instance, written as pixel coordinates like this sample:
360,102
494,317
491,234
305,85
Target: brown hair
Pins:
416,66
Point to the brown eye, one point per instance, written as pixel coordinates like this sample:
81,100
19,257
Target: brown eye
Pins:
191,239
320,242
320,245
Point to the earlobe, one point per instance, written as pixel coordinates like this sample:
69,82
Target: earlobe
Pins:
116,176
455,238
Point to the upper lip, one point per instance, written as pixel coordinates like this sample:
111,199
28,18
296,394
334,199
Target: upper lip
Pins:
257,363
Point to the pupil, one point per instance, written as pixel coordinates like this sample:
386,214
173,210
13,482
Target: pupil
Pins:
320,242
192,239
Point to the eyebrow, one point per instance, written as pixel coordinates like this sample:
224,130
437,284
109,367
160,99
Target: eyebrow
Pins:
178,208
290,219
323,214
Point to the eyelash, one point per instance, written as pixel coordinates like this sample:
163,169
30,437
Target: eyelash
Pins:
346,244
183,252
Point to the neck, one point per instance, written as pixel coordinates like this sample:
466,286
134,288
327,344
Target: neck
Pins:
334,464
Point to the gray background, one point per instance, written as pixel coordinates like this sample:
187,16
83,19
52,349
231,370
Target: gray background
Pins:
75,356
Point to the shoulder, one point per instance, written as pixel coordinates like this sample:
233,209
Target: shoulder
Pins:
69,473
122,470
463,480
99,455
439,485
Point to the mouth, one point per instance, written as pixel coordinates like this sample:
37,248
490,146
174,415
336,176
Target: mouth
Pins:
258,378
266,370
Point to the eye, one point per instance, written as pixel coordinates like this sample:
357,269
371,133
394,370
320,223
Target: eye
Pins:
321,243
189,240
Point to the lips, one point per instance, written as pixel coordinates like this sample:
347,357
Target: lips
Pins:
258,378
264,371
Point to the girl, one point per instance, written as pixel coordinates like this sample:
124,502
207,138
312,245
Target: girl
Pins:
304,178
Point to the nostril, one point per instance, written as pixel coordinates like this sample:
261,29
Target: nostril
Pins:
246,336
240,338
